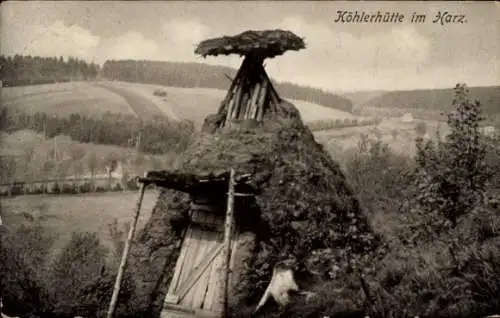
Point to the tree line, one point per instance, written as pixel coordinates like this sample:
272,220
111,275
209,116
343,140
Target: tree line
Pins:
183,74
19,70
153,136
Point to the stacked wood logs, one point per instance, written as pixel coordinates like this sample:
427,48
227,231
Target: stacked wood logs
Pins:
251,93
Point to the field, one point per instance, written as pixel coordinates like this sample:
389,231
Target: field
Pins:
64,99
196,103
66,214
96,98
398,135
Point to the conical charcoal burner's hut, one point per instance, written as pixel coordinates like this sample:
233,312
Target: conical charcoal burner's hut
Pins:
294,201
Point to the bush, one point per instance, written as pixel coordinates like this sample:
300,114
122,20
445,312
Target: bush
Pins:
24,251
421,129
160,93
80,262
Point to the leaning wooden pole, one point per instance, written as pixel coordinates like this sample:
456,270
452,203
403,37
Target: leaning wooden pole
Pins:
126,249
228,227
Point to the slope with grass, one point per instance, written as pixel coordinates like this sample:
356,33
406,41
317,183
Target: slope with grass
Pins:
434,101
399,135
146,107
194,75
63,99
64,215
196,103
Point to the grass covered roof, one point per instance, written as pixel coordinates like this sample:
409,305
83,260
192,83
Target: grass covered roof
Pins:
264,43
305,207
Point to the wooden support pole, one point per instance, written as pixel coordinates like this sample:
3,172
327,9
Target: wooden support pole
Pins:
262,100
231,101
232,92
274,97
228,227
126,249
238,96
253,102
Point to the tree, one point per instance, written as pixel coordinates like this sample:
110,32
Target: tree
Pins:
76,266
421,129
394,134
452,174
111,163
92,165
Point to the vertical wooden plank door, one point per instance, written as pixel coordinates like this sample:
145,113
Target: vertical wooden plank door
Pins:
194,290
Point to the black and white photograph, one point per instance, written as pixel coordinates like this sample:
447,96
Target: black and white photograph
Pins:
281,159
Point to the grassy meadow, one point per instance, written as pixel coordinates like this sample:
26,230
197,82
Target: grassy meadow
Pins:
63,99
64,215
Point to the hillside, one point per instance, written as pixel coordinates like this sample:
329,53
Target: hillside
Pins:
359,98
196,103
433,101
64,99
183,74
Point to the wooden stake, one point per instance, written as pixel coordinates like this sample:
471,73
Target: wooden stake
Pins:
126,249
253,101
273,93
232,91
230,108
262,99
238,97
227,245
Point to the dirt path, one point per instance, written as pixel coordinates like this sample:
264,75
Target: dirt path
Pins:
143,107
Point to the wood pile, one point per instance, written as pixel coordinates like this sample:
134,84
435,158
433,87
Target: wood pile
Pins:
251,93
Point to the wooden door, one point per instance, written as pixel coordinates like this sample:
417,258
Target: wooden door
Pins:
195,288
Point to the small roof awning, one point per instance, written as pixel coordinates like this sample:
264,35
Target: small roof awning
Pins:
190,183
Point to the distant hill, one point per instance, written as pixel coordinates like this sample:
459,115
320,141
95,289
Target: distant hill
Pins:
436,100
188,75
359,98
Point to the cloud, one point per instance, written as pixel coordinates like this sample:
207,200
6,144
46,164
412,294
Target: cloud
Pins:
401,56
53,40
130,45
336,59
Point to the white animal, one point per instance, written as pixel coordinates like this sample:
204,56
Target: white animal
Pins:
282,282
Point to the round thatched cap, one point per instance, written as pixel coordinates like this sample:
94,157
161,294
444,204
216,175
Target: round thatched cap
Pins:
265,43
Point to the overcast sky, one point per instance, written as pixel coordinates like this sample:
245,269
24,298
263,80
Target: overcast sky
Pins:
338,57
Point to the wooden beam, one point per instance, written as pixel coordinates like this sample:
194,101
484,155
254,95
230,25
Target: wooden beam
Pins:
230,107
253,101
262,100
270,83
228,225
238,97
183,311
126,249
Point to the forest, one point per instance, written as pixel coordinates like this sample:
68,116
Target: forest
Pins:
156,137
31,70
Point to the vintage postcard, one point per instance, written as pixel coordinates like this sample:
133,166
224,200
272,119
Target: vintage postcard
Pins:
322,159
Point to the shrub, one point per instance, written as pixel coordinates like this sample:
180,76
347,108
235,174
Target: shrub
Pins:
421,129
452,174
160,93
80,262
24,251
